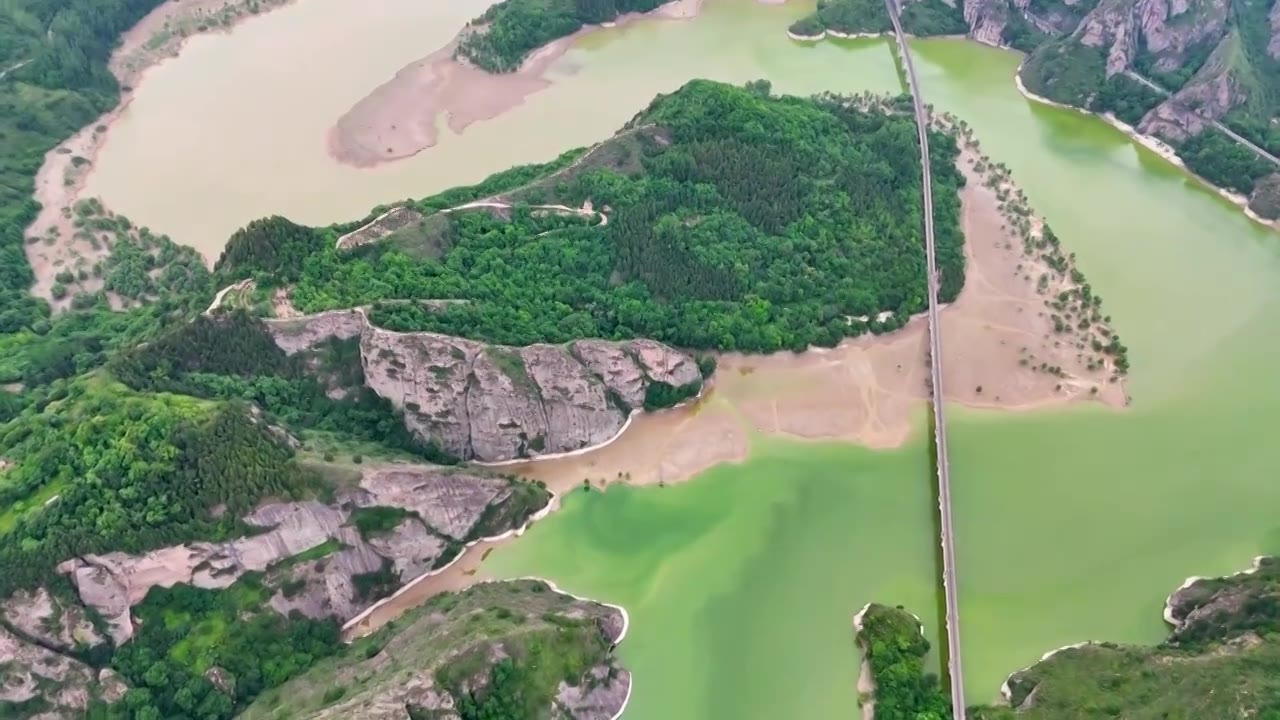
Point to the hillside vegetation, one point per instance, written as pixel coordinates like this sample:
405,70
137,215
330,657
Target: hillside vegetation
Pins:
850,17
894,645
737,220
55,52
95,467
1221,661
496,651
1218,59
501,38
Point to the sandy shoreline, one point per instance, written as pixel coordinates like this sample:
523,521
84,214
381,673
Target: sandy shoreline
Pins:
401,117
60,182
1154,144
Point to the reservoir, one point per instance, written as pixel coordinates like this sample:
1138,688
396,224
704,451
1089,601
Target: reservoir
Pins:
1071,525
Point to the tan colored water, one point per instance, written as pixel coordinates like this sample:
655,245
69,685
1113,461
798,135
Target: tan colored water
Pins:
236,127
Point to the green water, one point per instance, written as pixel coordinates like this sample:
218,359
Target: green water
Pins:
741,585
1070,525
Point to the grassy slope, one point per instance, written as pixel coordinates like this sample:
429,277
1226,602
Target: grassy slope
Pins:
1224,663
449,637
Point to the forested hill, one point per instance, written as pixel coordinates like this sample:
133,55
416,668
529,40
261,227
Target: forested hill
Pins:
736,220
501,39
55,52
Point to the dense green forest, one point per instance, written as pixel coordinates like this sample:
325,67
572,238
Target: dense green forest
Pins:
896,648
96,468
503,37
1224,162
205,654
922,18
748,222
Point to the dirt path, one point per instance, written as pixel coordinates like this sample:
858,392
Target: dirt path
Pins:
400,118
16,66
60,182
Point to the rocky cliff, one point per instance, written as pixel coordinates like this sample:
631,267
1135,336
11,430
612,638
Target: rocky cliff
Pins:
495,403
443,509
1211,56
444,653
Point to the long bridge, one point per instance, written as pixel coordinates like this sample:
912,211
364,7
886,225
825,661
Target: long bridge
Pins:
949,573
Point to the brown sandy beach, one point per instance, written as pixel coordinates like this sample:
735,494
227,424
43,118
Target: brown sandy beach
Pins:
400,118
52,246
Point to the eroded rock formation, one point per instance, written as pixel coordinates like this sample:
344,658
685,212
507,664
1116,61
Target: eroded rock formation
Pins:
445,508
495,403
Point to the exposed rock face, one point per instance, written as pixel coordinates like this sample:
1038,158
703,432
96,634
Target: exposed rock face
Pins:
1217,607
29,672
1112,25
507,417
299,334
328,588
46,618
447,505
496,403
987,19
1208,96
450,501
595,699
573,398
413,550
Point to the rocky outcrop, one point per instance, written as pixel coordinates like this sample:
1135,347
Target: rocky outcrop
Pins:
495,403
987,19
298,334
597,697
1160,28
445,506
1210,94
50,620
325,587
1216,607
30,673
449,645
1113,26
448,500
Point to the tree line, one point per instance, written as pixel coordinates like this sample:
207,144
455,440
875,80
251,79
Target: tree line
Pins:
499,40
63,86
765,223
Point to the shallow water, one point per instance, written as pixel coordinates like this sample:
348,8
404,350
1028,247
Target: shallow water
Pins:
1070,525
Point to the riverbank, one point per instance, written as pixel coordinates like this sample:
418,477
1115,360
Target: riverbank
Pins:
1152,143
60,182
400,118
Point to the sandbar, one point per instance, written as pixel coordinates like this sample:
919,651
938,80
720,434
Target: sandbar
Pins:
401,118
